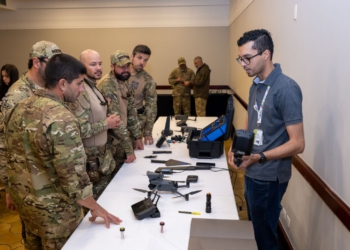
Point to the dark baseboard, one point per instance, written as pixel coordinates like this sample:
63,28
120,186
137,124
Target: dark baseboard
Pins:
283,240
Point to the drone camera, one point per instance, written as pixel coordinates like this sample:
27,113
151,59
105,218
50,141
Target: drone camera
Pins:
242,144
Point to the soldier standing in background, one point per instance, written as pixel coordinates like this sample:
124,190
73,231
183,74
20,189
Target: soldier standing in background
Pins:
181,79
91,110
144,91
201,84
116,87
47,180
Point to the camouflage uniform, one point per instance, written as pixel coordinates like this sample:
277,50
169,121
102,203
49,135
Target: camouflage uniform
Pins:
145,100
46,168
20,90
91,111
129,125
201,84
181,93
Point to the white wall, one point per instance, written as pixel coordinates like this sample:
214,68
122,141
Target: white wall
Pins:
313,50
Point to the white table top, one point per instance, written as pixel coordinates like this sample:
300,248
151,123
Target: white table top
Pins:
145,234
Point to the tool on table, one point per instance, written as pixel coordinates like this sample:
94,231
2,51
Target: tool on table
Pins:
185,212
184,168
161,226
122,229
208,204
170,162
161,152
150,156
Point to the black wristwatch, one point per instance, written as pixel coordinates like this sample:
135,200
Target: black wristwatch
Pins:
263,158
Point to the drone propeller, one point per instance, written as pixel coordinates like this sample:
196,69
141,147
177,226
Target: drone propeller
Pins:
142,190
149,192
190,193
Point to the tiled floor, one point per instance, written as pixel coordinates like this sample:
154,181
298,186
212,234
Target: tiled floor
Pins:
10,226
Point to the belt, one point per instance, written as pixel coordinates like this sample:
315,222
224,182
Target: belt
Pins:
141,110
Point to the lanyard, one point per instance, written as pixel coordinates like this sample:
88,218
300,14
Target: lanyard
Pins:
260,110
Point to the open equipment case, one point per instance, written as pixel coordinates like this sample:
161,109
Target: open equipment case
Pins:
208,143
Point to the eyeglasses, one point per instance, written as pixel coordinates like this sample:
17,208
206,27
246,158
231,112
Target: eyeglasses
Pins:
246,60
42,59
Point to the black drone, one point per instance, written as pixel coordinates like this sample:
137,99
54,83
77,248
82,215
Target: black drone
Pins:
158,183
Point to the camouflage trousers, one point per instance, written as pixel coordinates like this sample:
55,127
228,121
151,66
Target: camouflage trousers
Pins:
182,102
119,157
201,106
106,165
35,242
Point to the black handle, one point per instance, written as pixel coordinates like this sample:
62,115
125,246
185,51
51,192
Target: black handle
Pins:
157,161
161,152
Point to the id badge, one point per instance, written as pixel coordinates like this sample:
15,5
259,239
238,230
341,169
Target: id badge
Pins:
258,137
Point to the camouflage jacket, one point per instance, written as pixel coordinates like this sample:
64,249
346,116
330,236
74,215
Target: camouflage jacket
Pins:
121,135
46,168
178,88
21,89
82,109
148,98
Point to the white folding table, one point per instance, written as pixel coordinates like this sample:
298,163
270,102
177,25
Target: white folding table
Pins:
145,234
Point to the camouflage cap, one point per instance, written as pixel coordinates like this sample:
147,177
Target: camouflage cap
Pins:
120,58
181,61
44,49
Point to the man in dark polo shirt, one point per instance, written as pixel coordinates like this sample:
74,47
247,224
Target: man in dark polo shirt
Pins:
275,116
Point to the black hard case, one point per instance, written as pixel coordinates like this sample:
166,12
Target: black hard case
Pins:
211,149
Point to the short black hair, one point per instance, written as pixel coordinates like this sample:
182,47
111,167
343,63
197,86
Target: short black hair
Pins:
13,74
143,49
30,63
62,66
261,38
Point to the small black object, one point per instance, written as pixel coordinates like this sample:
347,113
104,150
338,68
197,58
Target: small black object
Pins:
242,144
161,152
263,158
160,141
181,123
208,204
205,164
181,117
150,156
192,178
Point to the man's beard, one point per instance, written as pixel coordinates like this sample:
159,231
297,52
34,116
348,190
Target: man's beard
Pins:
94,78
122,77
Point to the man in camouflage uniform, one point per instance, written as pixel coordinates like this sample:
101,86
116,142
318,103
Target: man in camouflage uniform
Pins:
181,79
144,91
47,179
91,111
116,87
201,84
30,81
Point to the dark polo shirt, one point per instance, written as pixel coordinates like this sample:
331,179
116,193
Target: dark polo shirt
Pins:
283,107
